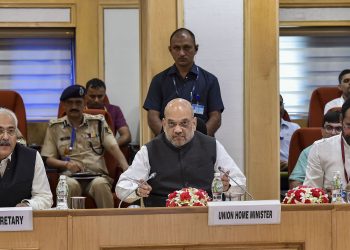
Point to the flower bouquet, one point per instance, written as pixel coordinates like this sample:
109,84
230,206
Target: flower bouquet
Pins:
306,195
188,197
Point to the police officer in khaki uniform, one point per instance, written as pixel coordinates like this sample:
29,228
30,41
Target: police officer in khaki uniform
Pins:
75,144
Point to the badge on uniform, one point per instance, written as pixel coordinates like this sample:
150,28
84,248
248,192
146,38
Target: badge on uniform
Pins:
67,152
198,109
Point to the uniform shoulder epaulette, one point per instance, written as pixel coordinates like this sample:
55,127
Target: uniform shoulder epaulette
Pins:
56,121
94,117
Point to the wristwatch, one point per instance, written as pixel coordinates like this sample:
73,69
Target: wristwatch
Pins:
25,202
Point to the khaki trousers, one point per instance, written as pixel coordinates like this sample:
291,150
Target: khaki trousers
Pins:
98,188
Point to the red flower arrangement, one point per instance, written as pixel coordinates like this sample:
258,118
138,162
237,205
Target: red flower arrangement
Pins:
188,197
306,195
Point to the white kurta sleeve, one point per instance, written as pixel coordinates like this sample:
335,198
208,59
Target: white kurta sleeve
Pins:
314,172
41,193
224,160
128,181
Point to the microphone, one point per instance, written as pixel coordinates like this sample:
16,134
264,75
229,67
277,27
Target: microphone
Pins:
240,186
151,176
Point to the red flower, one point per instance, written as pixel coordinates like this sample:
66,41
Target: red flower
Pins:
200,194
171,204
307,195
315,192
172,195
298,194
185,196
290,192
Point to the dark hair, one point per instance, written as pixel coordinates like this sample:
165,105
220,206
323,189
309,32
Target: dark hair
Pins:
345,107
183,30
95,83
344,72
332,116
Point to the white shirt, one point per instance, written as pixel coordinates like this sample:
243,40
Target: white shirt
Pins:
335,103
140,169
286,131
41,193
3,165
325,157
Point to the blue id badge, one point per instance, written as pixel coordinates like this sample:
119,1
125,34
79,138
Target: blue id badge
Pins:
198,109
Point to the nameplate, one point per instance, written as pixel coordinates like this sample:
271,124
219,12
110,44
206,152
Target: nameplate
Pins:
244,212
16,219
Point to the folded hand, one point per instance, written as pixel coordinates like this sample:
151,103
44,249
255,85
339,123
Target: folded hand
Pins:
144,189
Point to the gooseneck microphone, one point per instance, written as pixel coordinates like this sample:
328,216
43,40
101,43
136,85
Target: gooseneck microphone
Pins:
240,186
151,176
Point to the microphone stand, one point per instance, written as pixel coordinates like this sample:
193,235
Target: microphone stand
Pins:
138,185
243,189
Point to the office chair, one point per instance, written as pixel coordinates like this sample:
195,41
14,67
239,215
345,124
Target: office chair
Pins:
319,98
301,139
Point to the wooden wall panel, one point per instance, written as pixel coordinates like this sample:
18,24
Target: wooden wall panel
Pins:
158,21
261,98
321,227
86,41
302,227
50,232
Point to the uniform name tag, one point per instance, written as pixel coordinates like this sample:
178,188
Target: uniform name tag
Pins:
198,109
16,219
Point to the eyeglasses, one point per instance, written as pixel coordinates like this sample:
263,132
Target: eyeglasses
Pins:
9,131
182,124
330,129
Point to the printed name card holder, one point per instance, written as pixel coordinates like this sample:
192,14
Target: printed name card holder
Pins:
244,212
16,219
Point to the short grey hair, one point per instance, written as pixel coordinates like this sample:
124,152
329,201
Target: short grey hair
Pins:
9,113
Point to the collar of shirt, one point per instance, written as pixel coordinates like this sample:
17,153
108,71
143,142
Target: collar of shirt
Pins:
81,125
191,75
3,164
284,123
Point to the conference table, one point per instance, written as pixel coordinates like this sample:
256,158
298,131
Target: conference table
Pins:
318,227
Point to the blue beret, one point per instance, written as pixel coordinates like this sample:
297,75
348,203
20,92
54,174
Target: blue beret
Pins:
73,91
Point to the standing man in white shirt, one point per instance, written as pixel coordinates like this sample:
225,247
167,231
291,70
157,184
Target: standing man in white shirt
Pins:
23,180
329,155
344,86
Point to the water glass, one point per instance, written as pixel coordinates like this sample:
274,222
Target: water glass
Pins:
78,202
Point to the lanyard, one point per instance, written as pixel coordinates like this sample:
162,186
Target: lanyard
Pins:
69,150
193,87
72,140
343,157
